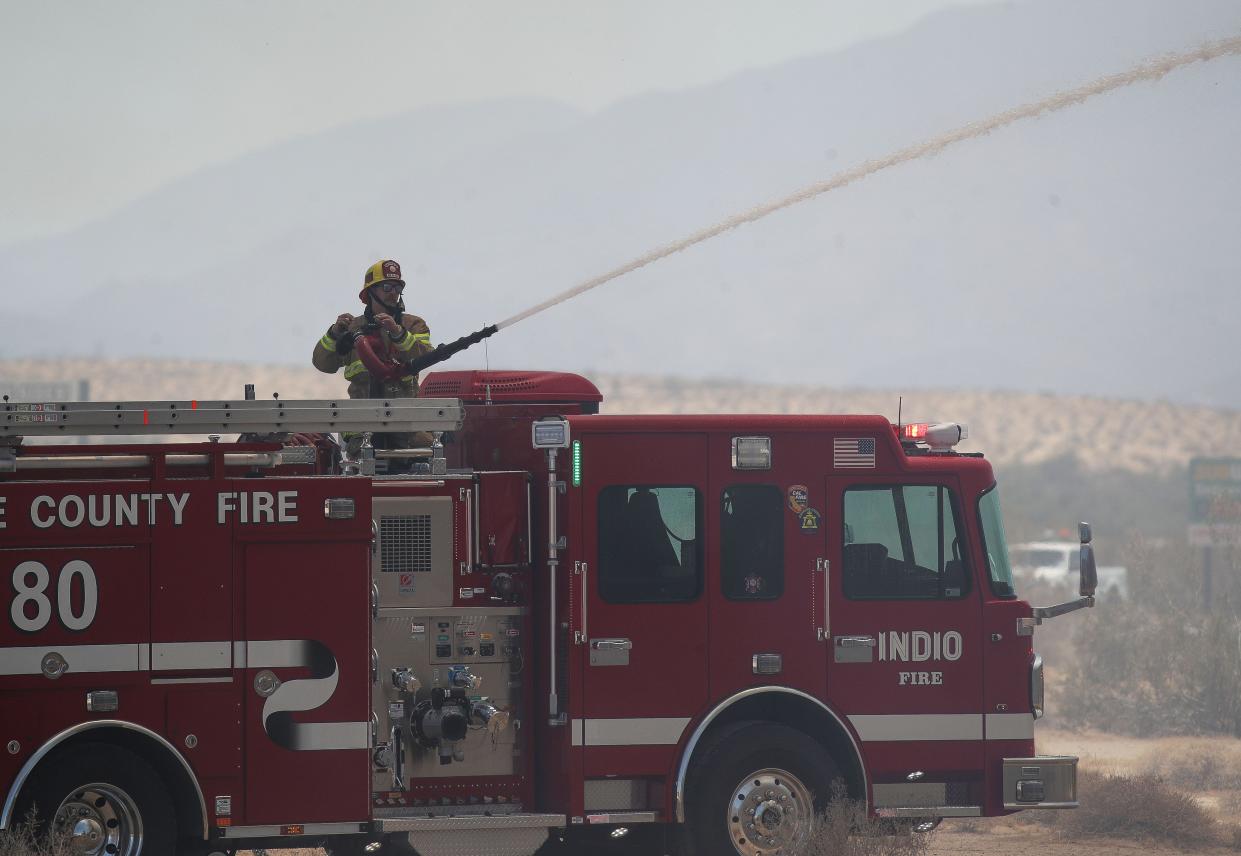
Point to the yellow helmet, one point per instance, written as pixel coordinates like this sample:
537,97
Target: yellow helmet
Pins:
381,271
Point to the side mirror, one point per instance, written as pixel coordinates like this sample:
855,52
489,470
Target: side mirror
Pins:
1089,574
1089,582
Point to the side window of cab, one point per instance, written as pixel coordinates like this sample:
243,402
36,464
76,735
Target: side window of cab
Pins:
903,542
648,543
752,542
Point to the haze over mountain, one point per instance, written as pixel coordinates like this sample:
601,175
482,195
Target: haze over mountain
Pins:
1088,251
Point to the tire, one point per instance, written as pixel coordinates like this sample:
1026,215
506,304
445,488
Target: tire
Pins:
108,799
756,790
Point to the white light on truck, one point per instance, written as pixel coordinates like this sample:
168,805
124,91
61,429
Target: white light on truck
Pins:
945,435
550,434
751,453
339,508
939,436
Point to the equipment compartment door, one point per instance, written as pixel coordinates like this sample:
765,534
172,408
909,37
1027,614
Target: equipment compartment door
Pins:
905,663
645,622
306,656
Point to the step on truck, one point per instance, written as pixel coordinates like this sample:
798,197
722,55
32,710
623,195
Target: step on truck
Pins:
548,624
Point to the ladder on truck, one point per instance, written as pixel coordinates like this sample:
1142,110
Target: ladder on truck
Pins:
75,418
262,419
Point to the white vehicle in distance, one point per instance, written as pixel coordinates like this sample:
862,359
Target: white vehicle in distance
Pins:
1057,562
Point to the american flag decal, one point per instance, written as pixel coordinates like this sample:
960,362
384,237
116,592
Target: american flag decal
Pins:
853,453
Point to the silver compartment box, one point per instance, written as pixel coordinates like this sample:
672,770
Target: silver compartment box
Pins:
1046,781
412,563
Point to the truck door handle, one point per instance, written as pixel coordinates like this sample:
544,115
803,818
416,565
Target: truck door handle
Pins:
855,649
823,632
611,644
581,569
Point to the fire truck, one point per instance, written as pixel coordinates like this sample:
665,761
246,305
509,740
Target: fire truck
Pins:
549,623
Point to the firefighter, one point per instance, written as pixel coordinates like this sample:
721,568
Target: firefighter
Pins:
396,337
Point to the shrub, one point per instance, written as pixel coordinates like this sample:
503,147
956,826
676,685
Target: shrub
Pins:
843,829
1138,807
1199,765
27,839
1158,663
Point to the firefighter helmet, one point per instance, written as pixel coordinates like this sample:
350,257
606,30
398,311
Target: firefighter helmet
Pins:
381,271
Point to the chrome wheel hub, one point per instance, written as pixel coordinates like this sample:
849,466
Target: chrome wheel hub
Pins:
100,820
87,834
770,814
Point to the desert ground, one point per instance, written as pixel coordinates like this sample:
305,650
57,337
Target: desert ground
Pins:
1207,768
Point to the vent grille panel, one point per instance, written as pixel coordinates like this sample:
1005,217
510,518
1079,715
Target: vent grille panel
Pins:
405,544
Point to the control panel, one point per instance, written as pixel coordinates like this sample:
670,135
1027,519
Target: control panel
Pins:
475,638
450,590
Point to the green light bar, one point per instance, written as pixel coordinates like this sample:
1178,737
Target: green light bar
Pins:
577,463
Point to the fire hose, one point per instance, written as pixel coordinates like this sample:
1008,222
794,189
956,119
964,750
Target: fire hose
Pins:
370,350
371,354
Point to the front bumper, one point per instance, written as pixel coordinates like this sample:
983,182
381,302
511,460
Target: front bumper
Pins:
1045,781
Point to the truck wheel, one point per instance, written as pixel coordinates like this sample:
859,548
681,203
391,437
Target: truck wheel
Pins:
756,791
107,800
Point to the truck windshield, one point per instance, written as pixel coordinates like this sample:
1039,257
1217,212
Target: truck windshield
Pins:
994,544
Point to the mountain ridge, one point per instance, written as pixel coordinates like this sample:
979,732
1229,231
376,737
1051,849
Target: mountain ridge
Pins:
1084,251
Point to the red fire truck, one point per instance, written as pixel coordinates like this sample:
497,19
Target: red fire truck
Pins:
550,622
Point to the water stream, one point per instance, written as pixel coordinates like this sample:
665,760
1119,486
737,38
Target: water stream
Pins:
1150,70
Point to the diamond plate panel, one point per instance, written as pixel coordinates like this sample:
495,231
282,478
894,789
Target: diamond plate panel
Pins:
479,842
615,794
